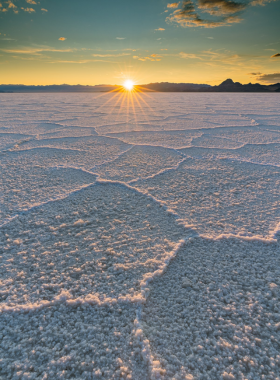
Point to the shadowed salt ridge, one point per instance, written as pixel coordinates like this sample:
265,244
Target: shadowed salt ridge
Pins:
87,234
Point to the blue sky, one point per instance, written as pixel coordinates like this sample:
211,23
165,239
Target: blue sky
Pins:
93,42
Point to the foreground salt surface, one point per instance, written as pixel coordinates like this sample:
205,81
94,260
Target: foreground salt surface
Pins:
140,245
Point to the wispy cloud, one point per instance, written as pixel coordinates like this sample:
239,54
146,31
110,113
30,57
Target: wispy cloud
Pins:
44,10
41,51
160,29
120,38
31,2
189,56
173,5
29,10
36,50
110,55
275,55
52,55
223,12
82,61
223,58
260,2
152,57
62,39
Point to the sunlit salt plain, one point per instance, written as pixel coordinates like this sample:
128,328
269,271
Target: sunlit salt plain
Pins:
138,236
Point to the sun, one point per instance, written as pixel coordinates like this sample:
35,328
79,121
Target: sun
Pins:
128,85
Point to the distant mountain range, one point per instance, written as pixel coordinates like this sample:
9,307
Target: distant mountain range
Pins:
226,86
230,86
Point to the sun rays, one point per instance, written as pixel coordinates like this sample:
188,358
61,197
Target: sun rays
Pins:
129,99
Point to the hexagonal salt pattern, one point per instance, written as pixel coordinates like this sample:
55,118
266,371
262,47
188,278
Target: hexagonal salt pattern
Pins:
25,186
220,196
139,162
168,139
97,242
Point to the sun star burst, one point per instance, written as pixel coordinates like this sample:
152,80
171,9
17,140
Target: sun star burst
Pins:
128,85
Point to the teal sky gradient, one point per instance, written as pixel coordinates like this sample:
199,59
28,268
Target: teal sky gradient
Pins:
106,42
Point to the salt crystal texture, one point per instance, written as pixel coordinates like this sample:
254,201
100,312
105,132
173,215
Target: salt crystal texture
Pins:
140,245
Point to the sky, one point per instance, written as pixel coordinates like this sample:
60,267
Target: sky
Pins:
92,42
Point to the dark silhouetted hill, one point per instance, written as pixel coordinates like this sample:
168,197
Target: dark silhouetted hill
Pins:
229,86
274,87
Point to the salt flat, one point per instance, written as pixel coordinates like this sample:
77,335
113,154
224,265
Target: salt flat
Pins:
142,241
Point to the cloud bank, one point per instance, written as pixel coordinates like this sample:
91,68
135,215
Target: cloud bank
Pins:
267,78
218,12
9,5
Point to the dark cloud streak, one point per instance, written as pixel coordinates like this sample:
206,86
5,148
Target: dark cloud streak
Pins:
221,7
267,78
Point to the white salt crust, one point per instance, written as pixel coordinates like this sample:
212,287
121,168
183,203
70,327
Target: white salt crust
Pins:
215,313
139,247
